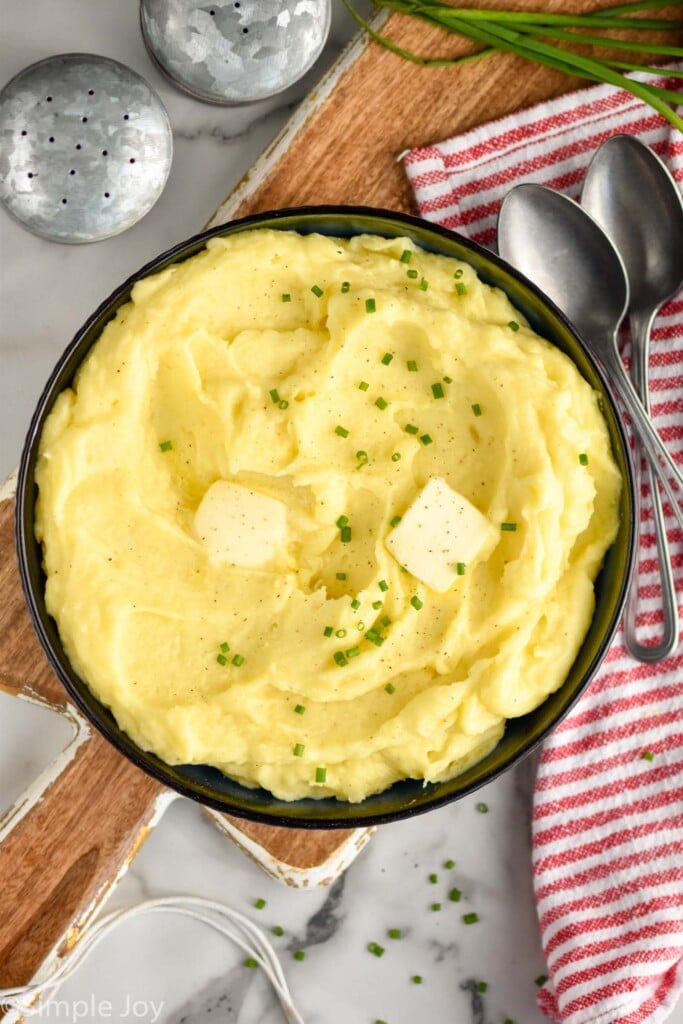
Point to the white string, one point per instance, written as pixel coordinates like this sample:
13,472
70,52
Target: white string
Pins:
230,923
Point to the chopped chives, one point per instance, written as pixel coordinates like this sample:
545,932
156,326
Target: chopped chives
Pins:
355,604
221,659
395,521
340,575
406,256
320,774
390,688
437,390
436,906
259,903
540,980
449,864
362,457
410,428
345,286
416,602
454,895
458,274
448,380
298,750
300,709
583,459
370,306
476,409
328,631
250,962
412,273
340,658
238,660
342,521
386,358
363,385
383,586
283,404
277,930
341,633
461,288
412,366
345,534
396,457
317,290
286,297
225,647
275,397
513,325
424,285
381,403
470,918
460,568
433,878
508,527
394,933
299,955
483,808
416,979
377,605
647,755
426,439
386,621
374,637
353,652
341,431
360,626
165,446
375,948
482,986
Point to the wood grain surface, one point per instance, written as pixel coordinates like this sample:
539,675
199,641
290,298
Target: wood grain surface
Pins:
60,858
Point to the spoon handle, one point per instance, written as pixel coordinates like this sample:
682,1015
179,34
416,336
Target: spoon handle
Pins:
641,325
655,451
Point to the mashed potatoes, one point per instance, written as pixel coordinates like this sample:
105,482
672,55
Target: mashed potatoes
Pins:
329,382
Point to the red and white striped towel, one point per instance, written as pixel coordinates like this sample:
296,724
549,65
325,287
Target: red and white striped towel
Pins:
608,822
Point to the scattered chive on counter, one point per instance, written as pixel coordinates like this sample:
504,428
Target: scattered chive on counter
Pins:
433,878
470,918
416,979
647,755
455,895
375,949
250,962
483,808
436,907
259,903
277,930
482,986
449,865
299,955
394,933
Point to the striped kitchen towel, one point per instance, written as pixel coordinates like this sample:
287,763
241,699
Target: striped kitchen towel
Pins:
608,801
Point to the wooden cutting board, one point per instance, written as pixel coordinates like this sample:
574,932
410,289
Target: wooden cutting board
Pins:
66,843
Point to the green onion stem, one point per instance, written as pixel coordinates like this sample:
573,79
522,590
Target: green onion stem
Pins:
617,44
609,18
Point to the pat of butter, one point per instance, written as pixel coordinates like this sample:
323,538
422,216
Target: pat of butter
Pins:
240,526
440,529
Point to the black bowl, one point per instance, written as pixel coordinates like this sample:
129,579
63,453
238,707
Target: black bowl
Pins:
206,784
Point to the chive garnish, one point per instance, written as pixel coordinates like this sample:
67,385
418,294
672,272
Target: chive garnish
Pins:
406,256
340,658
298,750
374,637
470,918
410,428
394,933
416,979
412,366
250,962
396,457
460,568
381,403
437,390
283,403
390,688
362,457
508,527
416,602
341,633
238,660
165,446
483,808
426,439
363,385
476,409
345,534
395,521
320,774
583,459
299,955
275,397
286,297
340,575
424,285
355,604
448,380
277,930
386,621
436,906
225,647
341,431
461,288
386,358
300,709
328,631
377,605
353,652
345,286
383,586
317,291
360,626
412,273
342,521
375,948
455,895
221,659
647,755
259,903
370,306
513,325
458,274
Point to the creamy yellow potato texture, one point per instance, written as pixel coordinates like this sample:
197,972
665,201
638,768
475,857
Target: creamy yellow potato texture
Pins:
336,378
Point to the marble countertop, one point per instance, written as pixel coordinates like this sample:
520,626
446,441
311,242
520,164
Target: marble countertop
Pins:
143,972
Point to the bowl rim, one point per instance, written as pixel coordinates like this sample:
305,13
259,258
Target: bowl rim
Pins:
98,714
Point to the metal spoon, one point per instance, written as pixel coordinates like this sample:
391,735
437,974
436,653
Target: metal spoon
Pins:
559,247
635,200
